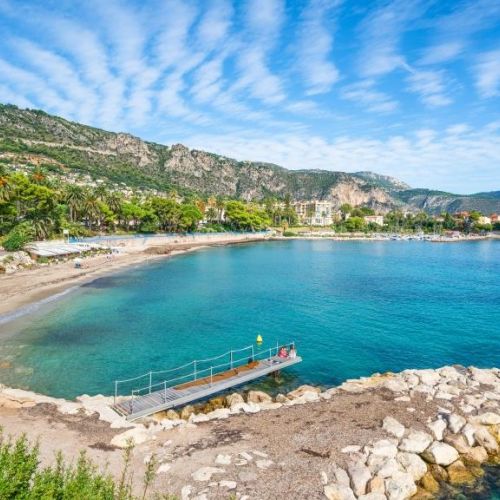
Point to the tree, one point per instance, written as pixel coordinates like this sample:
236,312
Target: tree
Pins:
345,208
74,196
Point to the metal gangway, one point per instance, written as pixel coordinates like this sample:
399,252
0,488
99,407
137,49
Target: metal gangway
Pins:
196,380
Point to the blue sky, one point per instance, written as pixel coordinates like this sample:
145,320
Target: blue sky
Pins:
409,88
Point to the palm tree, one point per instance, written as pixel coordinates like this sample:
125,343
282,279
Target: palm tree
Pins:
74,197
5,188
91,207
220,205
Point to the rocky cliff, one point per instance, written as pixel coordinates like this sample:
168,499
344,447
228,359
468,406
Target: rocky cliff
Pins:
121,157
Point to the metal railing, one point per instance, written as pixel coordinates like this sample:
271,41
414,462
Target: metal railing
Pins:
198,371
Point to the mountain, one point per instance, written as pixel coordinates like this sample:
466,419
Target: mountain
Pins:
36,137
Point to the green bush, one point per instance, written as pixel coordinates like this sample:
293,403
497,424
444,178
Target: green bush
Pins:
18,237
289,234
22,477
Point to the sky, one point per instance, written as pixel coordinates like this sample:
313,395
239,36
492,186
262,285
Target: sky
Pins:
407,88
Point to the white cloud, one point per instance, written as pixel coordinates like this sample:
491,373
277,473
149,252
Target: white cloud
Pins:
365,94
488,74
381,31
430,86
442,52
315,46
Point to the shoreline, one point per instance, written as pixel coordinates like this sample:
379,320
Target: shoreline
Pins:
25,291
391,435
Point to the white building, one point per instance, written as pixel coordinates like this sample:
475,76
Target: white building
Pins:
484,220
314,212
374,219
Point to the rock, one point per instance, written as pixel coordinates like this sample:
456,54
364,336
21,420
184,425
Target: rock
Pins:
229,485
373,496
396,385
422,494
219,414
258,397
163,468
248,476
222,459
324,478
341,476
246,456
458,442
486,377
415,442
437,428
412,464
351,449
468,432
300,391
429,377
488,418
264,464
196,419
234,398
186,492
384,448
440,453
270,406
360,475
438,472
450,373
186,412
206,473
485,439
393,427
455,422
429,483
281,398
215,404
245,408
132,437
476,455
400,486
338,492
376,485
383,466
459,474
172,415
260,454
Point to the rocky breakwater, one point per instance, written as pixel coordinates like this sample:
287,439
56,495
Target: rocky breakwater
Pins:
412,462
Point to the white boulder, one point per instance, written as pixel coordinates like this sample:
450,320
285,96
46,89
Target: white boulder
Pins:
338,492
441,454
456,422
360,475
206,473
384,448
485,439
400,486
412,464
415,442
393,427
437,428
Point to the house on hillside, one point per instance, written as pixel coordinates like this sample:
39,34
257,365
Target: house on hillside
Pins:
374,219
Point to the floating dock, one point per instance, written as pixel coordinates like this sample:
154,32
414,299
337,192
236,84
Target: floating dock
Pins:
202,380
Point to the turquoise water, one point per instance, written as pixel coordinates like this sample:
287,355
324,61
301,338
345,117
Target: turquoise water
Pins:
353,308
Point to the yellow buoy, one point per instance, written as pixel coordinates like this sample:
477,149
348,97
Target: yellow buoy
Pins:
259,339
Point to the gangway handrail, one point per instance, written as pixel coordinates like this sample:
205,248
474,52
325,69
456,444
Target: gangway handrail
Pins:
195,373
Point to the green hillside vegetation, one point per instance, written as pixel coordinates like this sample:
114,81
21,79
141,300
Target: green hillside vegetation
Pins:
34,207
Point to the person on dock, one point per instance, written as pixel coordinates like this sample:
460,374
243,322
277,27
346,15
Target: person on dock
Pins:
293,352
283,353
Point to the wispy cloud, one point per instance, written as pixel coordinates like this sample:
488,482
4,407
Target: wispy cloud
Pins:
429,85
488,74
381,32
315,46
365,94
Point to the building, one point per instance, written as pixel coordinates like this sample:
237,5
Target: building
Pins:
374,219
483,220
314,212
494,218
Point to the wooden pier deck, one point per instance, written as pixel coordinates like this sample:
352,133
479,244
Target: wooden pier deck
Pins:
199,388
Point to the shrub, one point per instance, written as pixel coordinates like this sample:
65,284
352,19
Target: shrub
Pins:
22,477
18,237
289,234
